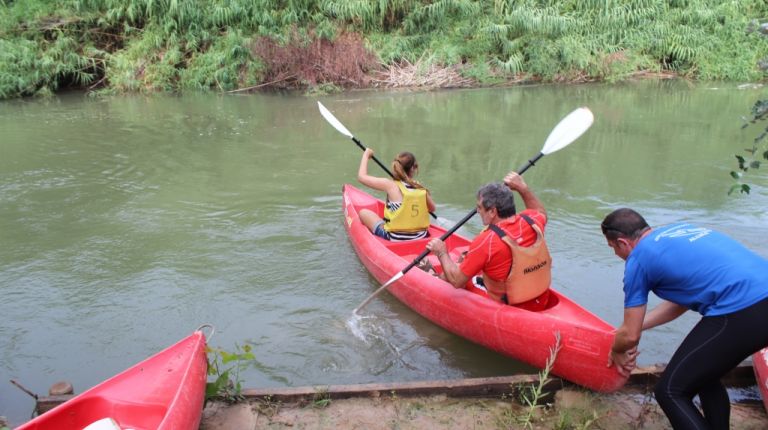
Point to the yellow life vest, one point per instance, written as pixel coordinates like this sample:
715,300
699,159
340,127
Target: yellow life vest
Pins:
531,271
413,213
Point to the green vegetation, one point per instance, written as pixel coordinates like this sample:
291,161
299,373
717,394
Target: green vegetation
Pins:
227,384
227,45
531,396
322,398
757,150
537,399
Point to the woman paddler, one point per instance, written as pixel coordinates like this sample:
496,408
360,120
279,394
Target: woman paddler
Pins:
406,212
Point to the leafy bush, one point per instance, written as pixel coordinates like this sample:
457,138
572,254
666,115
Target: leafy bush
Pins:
227,384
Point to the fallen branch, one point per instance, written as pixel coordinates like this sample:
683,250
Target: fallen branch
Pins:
264,84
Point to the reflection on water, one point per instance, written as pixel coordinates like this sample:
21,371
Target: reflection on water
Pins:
126,223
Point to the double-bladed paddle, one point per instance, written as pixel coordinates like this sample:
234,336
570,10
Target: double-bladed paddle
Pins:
565,132
343,130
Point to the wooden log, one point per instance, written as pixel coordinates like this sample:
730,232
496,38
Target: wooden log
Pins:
61,388
46,403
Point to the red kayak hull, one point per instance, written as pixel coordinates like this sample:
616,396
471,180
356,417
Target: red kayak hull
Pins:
760,365
585,339
165,391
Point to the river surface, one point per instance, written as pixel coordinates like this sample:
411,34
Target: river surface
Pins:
127,222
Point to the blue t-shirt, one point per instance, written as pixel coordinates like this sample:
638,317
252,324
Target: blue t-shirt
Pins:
695,267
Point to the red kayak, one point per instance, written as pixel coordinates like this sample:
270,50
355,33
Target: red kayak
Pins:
165,391
527,336
760,365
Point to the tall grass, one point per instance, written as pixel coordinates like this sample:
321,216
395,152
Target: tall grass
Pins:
171,45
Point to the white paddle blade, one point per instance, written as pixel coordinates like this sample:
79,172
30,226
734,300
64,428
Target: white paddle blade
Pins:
333,121
568,130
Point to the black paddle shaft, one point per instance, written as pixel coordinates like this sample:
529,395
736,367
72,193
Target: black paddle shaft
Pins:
466,218
360,144
530,163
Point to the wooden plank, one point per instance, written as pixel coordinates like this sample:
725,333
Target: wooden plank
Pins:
474,387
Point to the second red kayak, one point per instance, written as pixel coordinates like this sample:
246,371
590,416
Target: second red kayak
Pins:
585,339
760,365
165,391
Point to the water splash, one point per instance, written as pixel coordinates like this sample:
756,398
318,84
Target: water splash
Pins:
376,335
356,325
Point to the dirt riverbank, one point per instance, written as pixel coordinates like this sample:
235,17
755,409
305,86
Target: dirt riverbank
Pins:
479,403
483,403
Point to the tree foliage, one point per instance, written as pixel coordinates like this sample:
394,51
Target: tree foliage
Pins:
758,150
755,153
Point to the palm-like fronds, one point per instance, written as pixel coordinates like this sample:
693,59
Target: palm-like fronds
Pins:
172,44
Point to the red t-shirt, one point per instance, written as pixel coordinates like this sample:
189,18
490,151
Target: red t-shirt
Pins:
490,255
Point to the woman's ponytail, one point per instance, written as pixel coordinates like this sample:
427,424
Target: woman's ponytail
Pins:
404,163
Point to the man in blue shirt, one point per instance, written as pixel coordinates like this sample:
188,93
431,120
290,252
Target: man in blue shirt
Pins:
689,267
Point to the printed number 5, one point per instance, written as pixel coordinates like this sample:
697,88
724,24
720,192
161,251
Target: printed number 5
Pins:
414,211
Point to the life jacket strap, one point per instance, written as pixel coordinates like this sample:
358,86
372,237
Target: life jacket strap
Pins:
501,233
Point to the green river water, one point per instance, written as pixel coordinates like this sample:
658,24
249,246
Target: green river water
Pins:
127,222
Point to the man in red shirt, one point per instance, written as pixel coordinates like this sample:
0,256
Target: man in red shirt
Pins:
510,255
